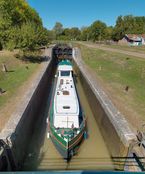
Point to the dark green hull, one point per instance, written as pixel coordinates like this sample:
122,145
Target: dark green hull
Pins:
69,149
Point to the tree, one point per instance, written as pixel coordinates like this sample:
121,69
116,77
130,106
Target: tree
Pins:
51,35
108,33
85,33
128,25
20,26
97,31
58,29
66,34
75,33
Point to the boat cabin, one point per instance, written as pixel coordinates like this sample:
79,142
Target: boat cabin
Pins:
66,105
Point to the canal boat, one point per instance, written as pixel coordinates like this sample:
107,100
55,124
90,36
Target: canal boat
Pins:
66,121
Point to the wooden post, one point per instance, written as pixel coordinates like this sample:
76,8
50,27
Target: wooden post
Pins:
2,91
4,68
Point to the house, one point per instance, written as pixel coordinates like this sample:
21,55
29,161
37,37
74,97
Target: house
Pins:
133,39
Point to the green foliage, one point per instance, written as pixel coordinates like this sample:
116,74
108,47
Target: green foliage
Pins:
20,26
128,25
124,25
75,33
85,33
17,12
58,29
51,35
63,37
97,31
108,33
72,33
66,33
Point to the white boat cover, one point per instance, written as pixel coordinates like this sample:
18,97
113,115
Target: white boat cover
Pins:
66,105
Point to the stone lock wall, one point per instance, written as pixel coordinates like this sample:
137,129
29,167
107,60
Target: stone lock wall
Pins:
114,127
19,129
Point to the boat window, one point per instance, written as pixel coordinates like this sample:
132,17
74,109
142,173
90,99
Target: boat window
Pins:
66,107
65,73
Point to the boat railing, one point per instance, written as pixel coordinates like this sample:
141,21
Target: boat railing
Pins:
73,132
83,124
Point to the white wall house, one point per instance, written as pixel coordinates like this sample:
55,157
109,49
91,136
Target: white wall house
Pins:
133,39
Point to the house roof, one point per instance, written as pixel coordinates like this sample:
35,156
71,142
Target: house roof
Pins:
136,37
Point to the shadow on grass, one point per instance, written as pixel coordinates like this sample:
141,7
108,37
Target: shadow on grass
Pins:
35,59
11,71
32,56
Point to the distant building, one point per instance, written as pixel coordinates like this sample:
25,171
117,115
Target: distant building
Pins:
133,39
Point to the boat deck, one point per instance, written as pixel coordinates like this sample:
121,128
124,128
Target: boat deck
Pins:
66,105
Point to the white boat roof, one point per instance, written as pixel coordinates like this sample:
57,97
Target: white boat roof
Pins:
65,67
66,105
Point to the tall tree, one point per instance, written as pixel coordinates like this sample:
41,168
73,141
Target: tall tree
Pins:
108,33
58,29
85,33
75,33
17,19
97,31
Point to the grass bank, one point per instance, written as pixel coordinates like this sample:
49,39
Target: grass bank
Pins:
18,72
117,72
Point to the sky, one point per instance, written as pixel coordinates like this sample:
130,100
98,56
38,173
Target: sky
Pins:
79,13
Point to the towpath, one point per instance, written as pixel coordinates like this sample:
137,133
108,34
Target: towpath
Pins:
101,47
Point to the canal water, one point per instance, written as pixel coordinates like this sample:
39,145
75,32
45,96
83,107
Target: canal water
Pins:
92,155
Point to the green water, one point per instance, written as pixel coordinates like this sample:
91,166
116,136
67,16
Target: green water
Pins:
92,155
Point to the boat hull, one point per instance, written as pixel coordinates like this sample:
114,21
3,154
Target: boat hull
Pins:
71,148
66,140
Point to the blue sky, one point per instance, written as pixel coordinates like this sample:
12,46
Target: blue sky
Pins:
78,13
